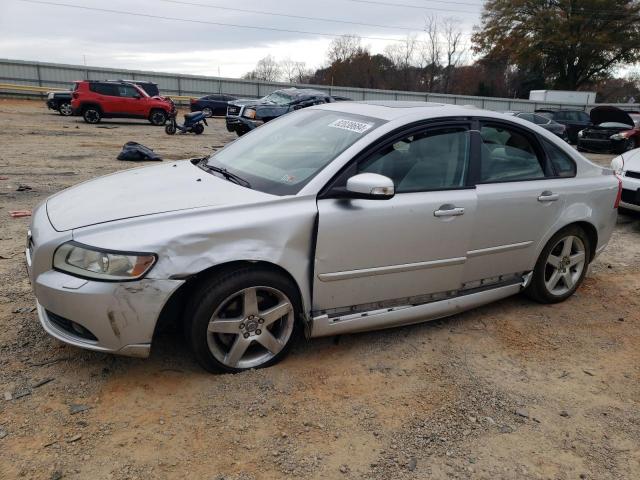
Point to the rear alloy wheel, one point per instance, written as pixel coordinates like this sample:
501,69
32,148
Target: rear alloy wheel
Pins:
245,319
65,109
158,118
207,111
561,267
91,115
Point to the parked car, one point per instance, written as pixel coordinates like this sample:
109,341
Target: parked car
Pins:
337,218
545,122
627,166
95,100
613,130
60,102
246,114
574,120
150,87
212,105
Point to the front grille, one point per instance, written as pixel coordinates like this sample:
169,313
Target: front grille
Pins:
632,174
233,110
631,196
70,327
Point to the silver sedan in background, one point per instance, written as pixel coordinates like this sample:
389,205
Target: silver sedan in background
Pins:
338,218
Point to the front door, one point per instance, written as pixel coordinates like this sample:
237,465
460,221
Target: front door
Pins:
380,251
132,102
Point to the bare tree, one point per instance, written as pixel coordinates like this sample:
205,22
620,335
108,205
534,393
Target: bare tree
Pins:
294,71
267,69
403,55
431,52
344,47
454,50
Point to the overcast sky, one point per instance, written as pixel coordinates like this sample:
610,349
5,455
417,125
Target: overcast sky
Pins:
55,33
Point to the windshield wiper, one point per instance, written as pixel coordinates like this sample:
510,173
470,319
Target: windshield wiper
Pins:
232,177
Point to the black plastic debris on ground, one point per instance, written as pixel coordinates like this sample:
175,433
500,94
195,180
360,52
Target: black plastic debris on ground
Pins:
136,152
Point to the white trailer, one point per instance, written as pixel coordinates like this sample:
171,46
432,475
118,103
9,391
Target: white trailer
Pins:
562,96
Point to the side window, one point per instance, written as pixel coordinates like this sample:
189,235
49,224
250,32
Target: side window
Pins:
584,117
562,116
563,165
433,160
507,156
127,91
104,89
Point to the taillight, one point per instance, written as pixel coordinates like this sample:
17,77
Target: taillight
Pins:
193,100
619,196
74,94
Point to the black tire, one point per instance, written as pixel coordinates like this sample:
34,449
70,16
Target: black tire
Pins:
198,129
170,129
215,292
538,289
65,109
158,117
91,114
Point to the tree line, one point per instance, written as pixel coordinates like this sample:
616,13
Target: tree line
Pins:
520,45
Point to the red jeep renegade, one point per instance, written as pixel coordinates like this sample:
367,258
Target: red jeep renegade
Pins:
95,100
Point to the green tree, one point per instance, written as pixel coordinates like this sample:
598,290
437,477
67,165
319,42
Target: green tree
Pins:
572,43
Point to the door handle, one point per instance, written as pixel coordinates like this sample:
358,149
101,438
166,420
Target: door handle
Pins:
548,196
448,211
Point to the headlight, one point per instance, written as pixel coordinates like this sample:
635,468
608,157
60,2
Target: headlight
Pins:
618,136
249,113
581,133
89,262
617,164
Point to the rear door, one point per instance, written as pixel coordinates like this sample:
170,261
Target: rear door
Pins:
107,96
372,252
519,201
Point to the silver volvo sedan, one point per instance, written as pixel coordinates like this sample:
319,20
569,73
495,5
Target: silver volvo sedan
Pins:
338,218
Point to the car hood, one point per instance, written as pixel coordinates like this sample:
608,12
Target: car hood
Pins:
145,191
610,114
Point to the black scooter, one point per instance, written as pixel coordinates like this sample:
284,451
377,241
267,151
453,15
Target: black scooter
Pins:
193,123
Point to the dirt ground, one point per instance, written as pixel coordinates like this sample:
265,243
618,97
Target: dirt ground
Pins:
513,390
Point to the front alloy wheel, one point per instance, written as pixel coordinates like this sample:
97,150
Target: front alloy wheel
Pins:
242,319
250,327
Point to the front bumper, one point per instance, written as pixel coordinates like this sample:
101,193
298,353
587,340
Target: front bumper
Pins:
110,317
601,145
241,124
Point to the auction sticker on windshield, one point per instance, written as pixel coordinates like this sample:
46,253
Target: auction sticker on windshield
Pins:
350,125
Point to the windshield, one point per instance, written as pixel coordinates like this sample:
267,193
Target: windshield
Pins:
283,155
636,119
278,98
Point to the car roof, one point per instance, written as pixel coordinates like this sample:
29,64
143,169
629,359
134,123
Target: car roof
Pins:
297,92
391,110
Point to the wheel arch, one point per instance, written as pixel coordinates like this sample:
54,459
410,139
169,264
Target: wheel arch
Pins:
173,310
85,105
589,228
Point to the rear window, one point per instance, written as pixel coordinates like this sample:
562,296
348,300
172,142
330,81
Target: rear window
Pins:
563,165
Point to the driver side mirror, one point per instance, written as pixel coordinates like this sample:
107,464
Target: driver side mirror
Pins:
370,186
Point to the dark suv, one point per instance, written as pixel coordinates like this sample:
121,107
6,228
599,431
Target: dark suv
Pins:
60,102
95,100
246,114
574,120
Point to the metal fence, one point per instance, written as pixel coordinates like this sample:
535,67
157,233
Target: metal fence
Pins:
60,76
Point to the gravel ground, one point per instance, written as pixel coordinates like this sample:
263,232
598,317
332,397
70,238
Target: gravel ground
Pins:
512,390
